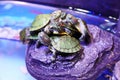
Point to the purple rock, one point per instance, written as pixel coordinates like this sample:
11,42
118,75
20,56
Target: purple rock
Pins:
103,50
116,71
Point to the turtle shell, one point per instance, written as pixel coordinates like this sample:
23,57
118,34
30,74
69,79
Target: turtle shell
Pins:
65,44
40,21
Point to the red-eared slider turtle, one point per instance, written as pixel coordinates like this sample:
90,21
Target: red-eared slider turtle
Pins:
63,44
79,25
40,21
67,24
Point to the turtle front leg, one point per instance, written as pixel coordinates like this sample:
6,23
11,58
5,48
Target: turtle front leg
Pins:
82,28
53,52
43,39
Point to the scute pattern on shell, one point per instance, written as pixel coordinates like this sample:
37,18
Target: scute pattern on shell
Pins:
40,21
66,44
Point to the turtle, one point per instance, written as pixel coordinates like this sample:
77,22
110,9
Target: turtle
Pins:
67,24
79,25
40,22
63,44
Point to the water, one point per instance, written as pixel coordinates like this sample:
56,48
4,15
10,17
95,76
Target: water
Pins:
15,16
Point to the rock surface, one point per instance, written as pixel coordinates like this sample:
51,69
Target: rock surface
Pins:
101,52
116,71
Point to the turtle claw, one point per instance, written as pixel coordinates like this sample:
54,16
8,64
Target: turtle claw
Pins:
82,38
